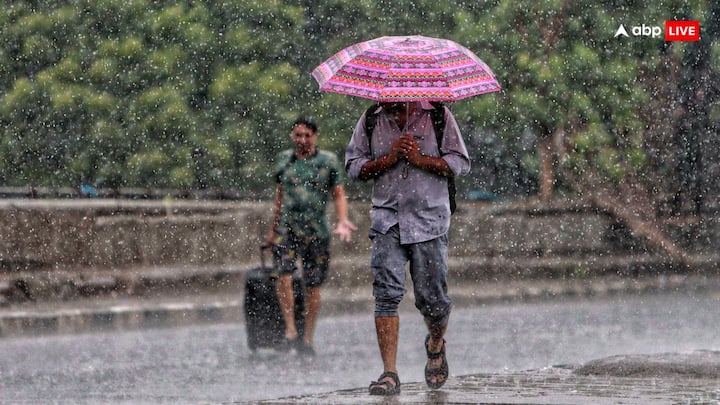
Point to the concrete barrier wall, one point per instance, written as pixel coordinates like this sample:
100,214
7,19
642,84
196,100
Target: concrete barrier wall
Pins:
124,234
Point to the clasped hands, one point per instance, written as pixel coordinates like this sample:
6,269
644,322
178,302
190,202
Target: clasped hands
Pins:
405,147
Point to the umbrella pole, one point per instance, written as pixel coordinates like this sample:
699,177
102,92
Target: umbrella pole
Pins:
407,116
405,130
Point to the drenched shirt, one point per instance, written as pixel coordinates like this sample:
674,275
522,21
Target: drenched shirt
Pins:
307,186
415,199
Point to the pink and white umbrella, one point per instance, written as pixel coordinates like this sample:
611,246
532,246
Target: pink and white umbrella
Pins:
406,68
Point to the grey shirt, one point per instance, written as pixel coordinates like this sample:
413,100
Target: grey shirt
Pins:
415,199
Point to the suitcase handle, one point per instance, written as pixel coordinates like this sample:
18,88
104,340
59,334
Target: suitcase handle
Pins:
263,248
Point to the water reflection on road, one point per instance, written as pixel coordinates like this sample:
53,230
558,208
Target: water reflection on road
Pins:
213,364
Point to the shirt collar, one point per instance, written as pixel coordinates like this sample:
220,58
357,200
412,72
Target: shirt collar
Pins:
425,105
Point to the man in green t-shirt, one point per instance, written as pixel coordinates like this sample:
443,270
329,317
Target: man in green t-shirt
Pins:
306,178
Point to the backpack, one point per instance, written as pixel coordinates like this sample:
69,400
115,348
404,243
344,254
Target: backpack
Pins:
438,120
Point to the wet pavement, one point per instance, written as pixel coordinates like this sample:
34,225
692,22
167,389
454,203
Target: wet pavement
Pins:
553,385
663,336
522,352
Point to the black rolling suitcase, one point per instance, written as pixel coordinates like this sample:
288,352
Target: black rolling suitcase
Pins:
263,318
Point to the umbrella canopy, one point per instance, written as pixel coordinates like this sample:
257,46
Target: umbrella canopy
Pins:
406,68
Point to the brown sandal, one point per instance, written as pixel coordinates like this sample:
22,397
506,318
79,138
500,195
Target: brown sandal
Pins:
385,387
442,371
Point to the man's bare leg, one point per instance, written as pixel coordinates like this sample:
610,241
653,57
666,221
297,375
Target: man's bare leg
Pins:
312,307
387,329
286,299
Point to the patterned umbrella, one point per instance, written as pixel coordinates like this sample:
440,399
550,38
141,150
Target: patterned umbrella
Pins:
406,68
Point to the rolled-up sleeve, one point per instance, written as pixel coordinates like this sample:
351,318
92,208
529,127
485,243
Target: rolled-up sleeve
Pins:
453,148
358,151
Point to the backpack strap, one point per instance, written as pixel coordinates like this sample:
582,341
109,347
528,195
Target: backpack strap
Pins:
437,115
438,119
371,115
287,164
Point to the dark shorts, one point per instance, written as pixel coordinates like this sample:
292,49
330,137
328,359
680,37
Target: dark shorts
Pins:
428,269
314,253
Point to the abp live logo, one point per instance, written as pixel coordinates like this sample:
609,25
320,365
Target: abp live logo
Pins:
682,30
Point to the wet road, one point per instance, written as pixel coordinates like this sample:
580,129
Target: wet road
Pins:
212,364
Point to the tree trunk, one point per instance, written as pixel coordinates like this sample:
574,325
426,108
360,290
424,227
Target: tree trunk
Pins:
547,167
632,205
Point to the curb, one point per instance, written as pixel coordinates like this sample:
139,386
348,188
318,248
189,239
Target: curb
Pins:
97,317
132,313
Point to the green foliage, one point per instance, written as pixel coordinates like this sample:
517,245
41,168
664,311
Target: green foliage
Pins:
198,94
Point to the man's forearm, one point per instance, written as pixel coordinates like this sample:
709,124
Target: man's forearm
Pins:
341,205
375,168
435,165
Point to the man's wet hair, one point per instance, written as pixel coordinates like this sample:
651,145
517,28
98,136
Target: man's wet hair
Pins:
306,120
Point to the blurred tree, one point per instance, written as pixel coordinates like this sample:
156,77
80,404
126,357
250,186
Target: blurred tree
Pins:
595,102
697,91
199,94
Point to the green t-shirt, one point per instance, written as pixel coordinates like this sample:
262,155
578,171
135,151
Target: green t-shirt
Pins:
307,186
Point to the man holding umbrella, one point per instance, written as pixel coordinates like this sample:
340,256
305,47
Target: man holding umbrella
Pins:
409,147
410,219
